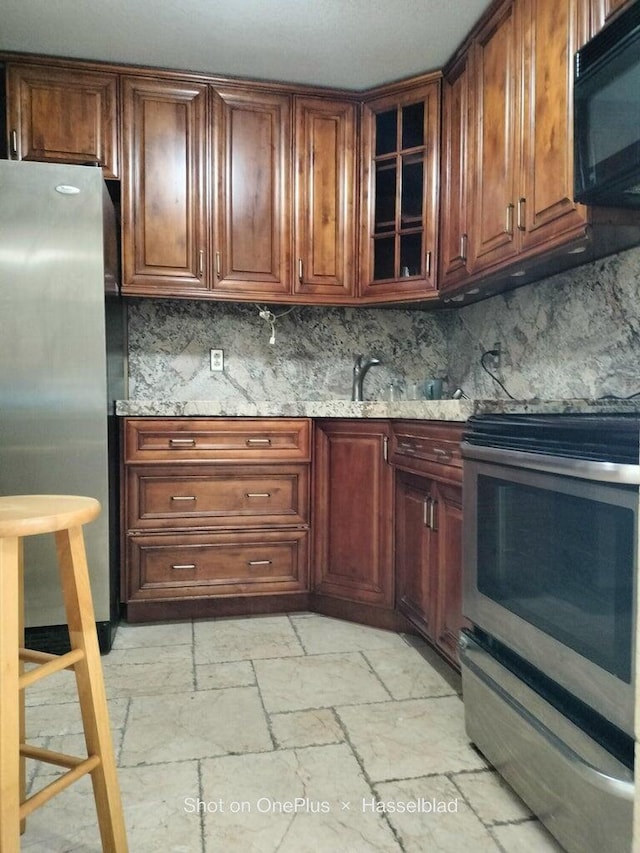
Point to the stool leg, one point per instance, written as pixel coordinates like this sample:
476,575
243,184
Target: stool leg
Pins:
76,590
23,760
9,698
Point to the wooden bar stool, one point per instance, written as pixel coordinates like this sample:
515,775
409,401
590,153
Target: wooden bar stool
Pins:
64,515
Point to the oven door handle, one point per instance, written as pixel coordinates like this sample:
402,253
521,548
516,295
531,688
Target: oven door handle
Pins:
585,469
596,778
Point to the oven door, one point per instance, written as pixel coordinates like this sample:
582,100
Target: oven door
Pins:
549,569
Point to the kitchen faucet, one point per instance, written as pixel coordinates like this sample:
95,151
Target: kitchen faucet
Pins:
360,367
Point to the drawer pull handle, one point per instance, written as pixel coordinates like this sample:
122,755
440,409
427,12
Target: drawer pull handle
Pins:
183,497
182,442
258,494
258,441
407,448
259,562
443,454
183,566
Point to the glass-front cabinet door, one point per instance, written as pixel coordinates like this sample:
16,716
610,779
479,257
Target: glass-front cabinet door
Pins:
400,187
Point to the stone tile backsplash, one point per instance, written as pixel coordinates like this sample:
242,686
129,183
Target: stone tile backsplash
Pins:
576,334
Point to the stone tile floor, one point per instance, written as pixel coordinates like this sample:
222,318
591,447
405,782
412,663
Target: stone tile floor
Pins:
279,733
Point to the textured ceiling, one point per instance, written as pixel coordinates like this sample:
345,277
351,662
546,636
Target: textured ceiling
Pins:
353,44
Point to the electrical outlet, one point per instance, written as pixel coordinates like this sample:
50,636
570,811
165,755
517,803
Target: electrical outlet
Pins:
496,358
217,360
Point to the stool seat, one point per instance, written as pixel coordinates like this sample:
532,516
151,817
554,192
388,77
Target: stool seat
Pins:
27,515
62,515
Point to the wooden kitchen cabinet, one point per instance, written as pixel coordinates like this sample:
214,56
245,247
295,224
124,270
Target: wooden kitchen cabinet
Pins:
324,209
352,517
216,516
428,530
455,175
253,216
400,163
63,115
164,194
603,11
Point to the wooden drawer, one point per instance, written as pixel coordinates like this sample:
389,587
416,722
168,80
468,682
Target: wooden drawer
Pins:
217,439
172,496
166,566
420,446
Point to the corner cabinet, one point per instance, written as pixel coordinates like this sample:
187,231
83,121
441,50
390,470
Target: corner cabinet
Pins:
428,530
164,196
400,156
352,520
63,115
216,516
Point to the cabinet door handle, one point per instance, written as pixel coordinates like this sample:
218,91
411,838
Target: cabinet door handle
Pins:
14,143
201,263
432,515
182,442
443,454
183,497
463,248
385,448
178,566
300,270
521,214
509,220
218,265
427,264
425,511
259,562
258,494
258,441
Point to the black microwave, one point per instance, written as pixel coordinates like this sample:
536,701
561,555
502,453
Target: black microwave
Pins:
607,114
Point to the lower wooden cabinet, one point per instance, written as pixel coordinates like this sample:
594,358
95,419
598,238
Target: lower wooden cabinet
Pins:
352,517
428,530
216,514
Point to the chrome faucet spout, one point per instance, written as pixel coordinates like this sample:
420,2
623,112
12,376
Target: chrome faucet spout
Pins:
361,366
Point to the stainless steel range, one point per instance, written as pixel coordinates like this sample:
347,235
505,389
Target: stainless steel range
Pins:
550,558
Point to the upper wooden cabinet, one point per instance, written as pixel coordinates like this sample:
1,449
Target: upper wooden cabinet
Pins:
516,139
164,196
63,115
324,212
252,221
455,176
400,162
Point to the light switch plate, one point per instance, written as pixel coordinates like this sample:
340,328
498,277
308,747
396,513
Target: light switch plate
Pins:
217,360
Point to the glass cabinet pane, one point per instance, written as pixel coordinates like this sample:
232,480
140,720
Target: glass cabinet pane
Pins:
413,125
412,187
386,186
411,254
386,132
384,251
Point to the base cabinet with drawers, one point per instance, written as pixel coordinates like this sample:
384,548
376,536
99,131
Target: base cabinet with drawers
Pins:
428,530
214,509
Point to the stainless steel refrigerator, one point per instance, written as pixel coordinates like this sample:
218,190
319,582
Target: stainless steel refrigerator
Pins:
61,368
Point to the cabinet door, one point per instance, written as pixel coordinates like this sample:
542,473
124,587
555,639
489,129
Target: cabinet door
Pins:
252,220
63,116
546,212
400,194
415,553
352,517
495,115
164,199
448,523
325,134
455,177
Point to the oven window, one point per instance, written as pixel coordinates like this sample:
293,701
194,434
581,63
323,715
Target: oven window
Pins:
563,563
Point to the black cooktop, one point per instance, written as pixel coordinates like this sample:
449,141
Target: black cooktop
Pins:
603,438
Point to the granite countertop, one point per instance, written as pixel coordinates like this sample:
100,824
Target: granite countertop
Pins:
427,410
